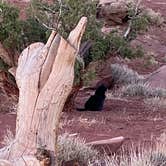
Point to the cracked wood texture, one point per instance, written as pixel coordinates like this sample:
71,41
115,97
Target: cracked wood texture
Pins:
45,77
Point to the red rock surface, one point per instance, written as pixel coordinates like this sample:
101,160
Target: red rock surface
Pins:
158,78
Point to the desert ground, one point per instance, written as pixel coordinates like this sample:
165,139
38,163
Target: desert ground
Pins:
131,117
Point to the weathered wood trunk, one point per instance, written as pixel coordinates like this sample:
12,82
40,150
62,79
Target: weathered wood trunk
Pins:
44,76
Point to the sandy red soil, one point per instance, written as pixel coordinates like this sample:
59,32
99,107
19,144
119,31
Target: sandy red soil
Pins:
128,117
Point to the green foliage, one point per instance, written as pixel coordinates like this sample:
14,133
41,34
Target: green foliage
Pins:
139,24
139,21
64,17
3,65
10,26
89,76
45,12
100,48
16,34
73,11
77,73
121,46
33,32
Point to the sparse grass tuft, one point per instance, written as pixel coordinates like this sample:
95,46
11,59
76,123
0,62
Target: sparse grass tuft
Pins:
143,89
155,156
158,159
134,159
139,24
159,92
143,158
123,75
150,60
139,89
156,101
74,148
139,157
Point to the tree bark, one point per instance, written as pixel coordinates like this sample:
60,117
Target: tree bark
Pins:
45,77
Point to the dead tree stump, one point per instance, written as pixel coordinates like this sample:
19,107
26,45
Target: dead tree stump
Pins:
44,77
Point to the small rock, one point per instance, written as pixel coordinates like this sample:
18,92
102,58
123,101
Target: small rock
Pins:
113,12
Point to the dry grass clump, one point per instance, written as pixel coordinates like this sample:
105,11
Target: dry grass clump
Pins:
143,89
140,89
141,157
156,101
158,159
159,92
74,148
144,158
134,159
123,75
134,83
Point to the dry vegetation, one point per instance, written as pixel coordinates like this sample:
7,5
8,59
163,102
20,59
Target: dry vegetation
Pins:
69,148
74,148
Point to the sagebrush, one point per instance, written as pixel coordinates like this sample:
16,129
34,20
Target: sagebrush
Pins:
143,89
121,74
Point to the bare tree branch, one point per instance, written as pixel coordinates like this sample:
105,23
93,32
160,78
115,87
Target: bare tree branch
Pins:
43,24
130,21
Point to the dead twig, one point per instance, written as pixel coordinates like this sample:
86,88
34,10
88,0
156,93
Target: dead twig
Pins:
130,21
